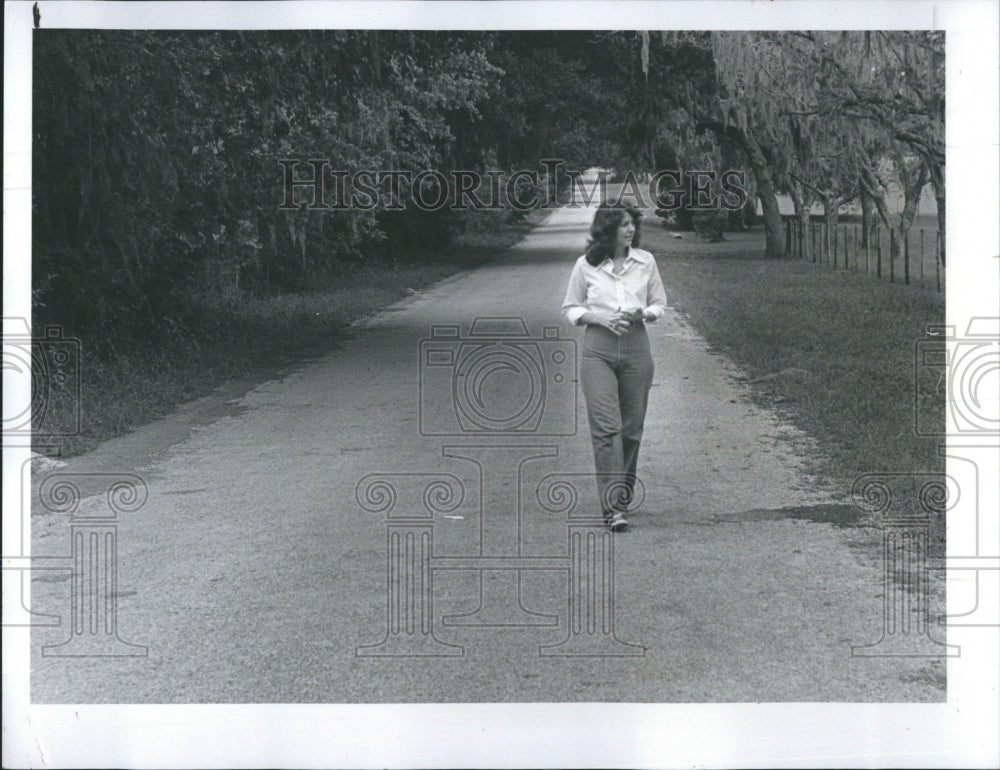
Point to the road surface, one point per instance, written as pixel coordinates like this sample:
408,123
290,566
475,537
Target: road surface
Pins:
269,563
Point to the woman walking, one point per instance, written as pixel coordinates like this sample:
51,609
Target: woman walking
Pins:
614,290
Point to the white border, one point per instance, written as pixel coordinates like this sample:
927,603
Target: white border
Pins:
961,733
504,14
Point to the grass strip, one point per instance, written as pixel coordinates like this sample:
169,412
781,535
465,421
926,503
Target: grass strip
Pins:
127,385
829,350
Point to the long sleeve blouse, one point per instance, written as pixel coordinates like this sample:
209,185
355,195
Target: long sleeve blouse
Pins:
637,287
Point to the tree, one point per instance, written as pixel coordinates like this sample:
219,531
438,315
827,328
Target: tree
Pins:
834,106
156,176
747,111
891,85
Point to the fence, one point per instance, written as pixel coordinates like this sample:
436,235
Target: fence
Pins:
916,260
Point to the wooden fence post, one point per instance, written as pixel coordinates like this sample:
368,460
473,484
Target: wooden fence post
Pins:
868,250
892,255
921,255
878,251
937,258
906,257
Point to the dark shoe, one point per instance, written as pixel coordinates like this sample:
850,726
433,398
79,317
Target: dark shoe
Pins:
617,522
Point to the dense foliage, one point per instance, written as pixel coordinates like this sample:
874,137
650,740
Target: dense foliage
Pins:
157,176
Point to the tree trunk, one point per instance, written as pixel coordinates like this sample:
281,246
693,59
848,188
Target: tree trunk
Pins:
913,185
869,220
774,233
912,188
802,211
762,171
874,189
831,215
937,180
775,237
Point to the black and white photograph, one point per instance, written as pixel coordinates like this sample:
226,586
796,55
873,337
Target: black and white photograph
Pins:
501,384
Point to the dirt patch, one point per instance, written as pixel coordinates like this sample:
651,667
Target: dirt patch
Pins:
826,513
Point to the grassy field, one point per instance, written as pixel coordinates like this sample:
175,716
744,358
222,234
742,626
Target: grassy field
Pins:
248,339
832,351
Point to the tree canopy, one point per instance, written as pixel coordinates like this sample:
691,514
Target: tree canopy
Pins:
157,176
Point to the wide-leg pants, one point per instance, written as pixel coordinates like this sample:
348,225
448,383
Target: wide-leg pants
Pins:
616,373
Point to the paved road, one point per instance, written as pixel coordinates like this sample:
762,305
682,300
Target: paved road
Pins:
253,573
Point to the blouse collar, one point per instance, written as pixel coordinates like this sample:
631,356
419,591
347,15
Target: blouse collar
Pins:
633,253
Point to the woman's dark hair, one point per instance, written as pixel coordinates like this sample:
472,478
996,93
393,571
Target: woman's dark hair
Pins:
604,231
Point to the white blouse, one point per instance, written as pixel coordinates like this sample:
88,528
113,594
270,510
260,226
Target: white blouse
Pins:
637,287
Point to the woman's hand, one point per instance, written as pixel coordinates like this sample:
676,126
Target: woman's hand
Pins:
616,323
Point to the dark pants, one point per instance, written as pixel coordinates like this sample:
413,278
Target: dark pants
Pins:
616,374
